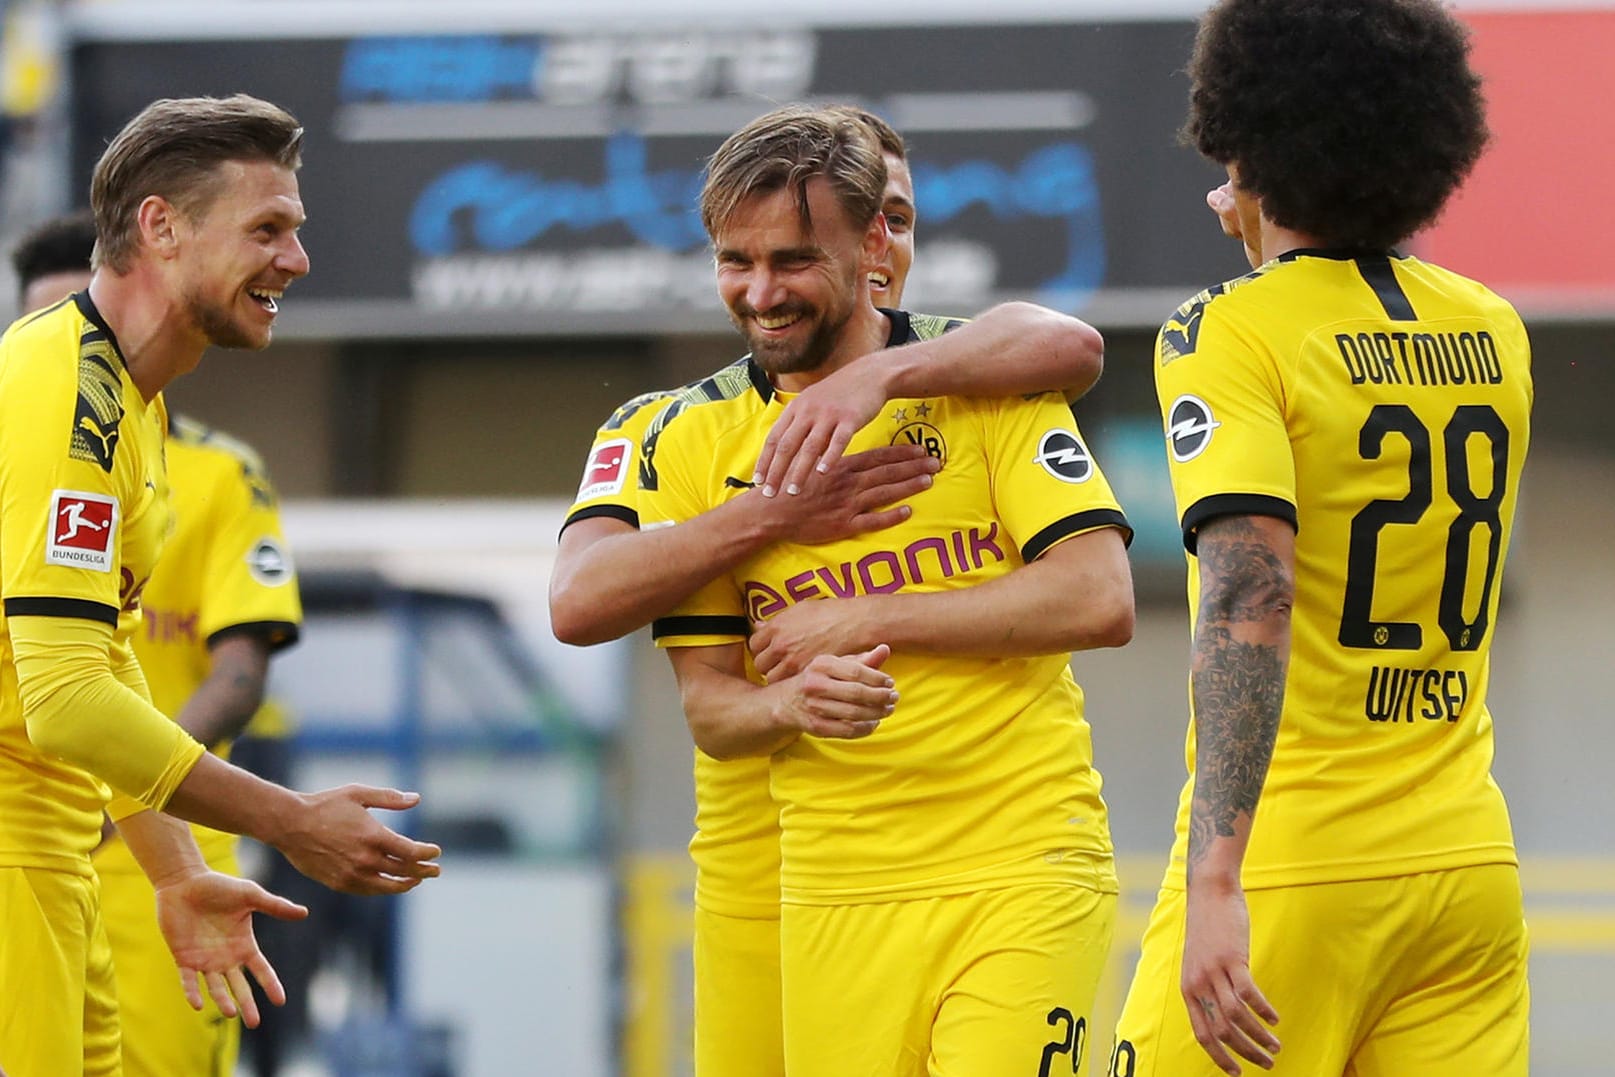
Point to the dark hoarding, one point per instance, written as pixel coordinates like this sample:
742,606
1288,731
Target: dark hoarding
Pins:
533,182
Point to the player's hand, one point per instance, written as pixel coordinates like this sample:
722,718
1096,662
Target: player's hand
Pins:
859,493
336,841
1221,201
783,645
206,920
1226,1009
844,697
816,427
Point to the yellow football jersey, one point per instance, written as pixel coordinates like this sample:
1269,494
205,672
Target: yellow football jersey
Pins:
225,570
83,515
1382,405
983,776
736,841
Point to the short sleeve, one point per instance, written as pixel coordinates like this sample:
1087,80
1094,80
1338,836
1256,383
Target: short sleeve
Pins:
1223,408
250,583
610,483
1047,485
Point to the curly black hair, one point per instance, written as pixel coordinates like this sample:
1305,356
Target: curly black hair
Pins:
1350,120
60,245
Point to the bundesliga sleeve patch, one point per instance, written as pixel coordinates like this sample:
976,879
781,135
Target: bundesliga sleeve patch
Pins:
83,530
607,469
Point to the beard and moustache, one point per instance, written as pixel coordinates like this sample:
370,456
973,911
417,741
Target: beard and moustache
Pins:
218,326
778,357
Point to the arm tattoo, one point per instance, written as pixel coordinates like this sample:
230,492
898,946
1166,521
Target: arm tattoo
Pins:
1238,685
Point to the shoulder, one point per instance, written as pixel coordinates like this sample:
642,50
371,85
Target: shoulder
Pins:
909,327
42,346
213,443
1227,303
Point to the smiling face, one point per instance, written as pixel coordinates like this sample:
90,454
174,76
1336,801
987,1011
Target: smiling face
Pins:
241,252
789,291
897,203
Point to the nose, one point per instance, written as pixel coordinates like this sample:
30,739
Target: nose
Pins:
293,259
764,289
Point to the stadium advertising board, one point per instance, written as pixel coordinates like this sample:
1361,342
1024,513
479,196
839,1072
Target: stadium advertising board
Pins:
496,182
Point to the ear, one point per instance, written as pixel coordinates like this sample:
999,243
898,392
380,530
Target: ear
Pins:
877,237
160,225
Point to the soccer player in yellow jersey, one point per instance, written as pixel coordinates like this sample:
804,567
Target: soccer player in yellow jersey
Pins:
945,860
1346,429
197,215
222,599
610,579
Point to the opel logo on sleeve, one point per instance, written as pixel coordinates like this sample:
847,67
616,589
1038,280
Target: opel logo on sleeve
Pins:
1189,424
1064,456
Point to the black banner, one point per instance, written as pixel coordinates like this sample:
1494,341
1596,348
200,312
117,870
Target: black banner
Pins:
546,182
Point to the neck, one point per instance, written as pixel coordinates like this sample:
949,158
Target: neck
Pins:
153,335
1277,241
866,331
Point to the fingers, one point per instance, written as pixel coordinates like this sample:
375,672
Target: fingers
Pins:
1228,1020
218,988
840,438
897,482
274,905
885,455
243,996
417,856
830,729
264,973
193,990
801,463
391,799
874,658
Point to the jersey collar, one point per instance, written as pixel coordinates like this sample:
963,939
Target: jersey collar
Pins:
87,307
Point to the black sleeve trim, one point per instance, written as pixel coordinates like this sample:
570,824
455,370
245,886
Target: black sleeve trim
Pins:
615,512
1209,508
699,626
80,608
1091,520
278,634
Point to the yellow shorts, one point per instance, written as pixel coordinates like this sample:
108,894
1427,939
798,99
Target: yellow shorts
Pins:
162,1035
737,1006
1411,976
969,985
58,1006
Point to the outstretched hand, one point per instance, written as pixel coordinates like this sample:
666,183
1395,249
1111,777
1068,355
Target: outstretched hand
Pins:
206,920
818,425
1226,1009
337,842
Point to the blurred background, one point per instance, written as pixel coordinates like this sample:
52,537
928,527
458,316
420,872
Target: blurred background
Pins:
504,248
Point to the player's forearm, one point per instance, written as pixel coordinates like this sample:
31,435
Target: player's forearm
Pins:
163,846
1013,348
620,582
232,692
1240,655
221,795
1077,597
729,717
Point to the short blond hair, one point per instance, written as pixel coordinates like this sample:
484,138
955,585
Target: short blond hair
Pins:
783,150
173,149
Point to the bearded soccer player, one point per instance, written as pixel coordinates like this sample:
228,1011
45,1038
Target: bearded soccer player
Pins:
1347,427
611,579
197,214
945,861
222,599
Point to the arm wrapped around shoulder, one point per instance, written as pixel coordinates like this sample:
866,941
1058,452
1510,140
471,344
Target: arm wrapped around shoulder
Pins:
76,709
